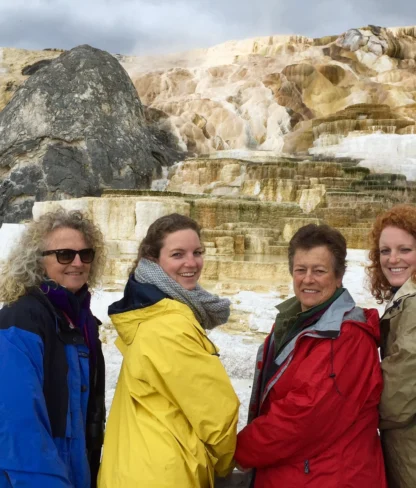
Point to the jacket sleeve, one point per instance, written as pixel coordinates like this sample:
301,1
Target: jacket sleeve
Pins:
28,455
174,358
318,408
398,400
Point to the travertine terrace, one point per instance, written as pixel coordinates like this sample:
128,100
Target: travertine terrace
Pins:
279,131
248,210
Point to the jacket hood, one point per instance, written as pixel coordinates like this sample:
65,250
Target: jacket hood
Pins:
342,309
408,288
372,323
136,295
139,302
142,302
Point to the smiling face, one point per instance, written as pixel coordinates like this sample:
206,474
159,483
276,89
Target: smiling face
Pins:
314,279
72,276
181,257
397,255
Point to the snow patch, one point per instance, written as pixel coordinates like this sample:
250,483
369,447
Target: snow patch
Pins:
9,235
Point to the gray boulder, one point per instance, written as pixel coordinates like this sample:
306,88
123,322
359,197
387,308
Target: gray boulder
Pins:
75,127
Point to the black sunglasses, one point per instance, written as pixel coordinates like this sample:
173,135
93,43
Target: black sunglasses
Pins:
66,256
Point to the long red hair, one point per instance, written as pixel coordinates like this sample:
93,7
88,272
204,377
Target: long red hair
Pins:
402,217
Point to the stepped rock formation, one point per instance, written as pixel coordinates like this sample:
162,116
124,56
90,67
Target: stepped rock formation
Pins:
248,211
278,125
74,127
272,93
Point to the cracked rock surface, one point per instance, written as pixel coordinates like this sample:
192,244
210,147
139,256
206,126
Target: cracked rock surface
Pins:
75,127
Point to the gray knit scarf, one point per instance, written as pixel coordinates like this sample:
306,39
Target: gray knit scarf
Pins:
210,310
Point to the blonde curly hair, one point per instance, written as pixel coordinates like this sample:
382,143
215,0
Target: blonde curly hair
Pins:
24,269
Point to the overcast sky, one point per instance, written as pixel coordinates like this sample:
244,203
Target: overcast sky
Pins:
162,26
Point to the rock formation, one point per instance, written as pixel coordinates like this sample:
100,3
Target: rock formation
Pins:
248,211
264,93
272,93
283,100
75,127
278,125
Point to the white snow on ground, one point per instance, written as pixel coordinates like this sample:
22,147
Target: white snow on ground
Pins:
356,281
260,308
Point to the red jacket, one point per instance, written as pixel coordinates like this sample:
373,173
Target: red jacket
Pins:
317,417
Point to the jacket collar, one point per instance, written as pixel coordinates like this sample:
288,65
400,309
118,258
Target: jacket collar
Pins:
329,325
408,288
142,302
292,308
289,308
136,295
64,331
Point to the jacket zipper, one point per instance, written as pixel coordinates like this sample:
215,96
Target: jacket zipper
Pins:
306,464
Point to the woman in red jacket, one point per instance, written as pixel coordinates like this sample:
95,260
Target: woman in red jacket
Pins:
314,409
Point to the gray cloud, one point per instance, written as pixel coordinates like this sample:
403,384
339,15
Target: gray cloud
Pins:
157,26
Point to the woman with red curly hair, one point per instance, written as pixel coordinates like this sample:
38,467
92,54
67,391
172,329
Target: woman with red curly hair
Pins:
392,276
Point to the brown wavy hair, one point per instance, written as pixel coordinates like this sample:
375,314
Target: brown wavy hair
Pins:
153,242
400,216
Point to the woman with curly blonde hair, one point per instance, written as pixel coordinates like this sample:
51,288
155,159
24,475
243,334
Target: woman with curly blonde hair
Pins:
392,278
52,367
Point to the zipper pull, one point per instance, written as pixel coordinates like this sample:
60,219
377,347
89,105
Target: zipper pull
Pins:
307,467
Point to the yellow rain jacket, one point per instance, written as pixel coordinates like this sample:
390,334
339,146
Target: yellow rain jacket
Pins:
174,415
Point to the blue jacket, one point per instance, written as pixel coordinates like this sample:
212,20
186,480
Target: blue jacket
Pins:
51,404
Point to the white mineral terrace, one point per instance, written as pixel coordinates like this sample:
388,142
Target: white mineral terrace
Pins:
381,153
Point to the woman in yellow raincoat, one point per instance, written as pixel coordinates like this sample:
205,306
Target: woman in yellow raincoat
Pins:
174,414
